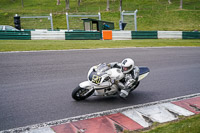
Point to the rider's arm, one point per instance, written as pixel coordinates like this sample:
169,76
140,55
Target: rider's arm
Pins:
132,78
129,83
114,65
136,72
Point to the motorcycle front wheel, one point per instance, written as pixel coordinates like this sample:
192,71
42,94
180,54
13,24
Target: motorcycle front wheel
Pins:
81,93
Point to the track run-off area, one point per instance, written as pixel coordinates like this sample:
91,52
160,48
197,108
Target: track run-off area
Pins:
35,87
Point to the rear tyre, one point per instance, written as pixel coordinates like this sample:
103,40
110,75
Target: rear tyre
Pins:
135,86
79,93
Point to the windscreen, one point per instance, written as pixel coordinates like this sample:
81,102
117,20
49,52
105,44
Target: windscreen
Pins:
102,68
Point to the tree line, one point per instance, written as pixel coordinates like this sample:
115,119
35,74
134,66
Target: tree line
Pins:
79,2
108,4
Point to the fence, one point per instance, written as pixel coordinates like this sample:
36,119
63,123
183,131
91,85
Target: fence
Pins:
34,19
80,16
129,13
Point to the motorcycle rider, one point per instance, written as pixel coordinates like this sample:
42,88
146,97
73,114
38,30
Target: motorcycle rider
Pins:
131,74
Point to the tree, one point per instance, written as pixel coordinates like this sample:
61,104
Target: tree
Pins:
67,4
169,1
58,2
22,3
181,4
79,2
120,5
108,6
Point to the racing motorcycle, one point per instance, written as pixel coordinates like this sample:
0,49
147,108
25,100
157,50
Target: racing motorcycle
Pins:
101,81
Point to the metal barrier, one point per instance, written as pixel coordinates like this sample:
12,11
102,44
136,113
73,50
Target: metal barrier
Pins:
170,34
191,35
144,35
121,35
15,35
89,35
84,35
47,35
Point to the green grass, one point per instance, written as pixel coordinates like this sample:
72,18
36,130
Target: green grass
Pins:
152,14
29,45
186,125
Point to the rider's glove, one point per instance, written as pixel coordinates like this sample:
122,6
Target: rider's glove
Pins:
108,65
113,81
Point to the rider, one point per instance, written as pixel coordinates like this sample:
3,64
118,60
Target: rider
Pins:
131,74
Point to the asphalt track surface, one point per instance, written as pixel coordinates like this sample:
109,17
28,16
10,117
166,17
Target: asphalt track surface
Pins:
35,87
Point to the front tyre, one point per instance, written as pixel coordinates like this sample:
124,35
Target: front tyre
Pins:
81,93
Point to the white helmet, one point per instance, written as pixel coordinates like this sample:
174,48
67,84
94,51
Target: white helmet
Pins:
127,65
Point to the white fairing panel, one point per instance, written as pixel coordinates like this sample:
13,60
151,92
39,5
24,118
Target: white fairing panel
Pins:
85,84
99,92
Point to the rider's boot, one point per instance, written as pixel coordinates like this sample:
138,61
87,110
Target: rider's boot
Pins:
124,91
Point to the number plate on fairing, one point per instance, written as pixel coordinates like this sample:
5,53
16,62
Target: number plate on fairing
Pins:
96,79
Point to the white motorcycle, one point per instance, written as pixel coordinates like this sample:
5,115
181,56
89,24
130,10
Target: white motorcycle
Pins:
101,82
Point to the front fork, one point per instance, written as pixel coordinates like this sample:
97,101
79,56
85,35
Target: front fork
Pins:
86,85
90,90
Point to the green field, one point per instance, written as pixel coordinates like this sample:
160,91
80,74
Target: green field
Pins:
30,45
152,14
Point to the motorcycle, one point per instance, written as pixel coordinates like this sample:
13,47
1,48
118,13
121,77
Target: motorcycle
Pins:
101,81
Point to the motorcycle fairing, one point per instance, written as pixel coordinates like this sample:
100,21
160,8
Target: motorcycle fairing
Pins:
144,71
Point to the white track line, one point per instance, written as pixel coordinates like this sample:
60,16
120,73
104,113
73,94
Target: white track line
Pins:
96,49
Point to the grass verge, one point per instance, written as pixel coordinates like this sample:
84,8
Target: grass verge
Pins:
152,14
32,45
184,125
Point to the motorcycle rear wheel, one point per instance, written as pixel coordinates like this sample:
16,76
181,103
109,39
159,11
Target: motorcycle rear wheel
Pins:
135,86
78,93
